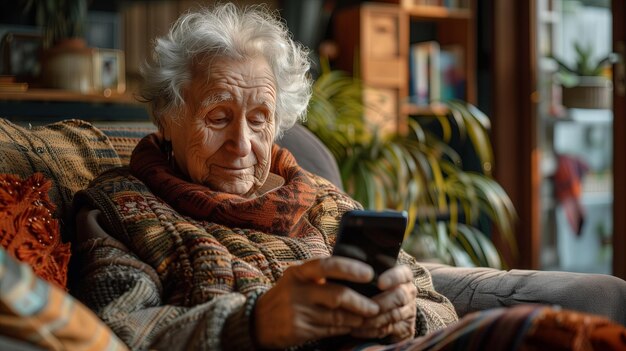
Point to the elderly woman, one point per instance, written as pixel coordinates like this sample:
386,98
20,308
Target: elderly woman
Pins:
214,237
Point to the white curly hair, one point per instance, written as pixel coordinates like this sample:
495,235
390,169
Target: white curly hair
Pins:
233,32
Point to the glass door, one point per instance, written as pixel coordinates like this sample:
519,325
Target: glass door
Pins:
575,134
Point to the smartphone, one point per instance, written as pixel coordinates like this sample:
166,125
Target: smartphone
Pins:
372,237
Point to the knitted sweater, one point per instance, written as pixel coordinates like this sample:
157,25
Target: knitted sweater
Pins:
164,280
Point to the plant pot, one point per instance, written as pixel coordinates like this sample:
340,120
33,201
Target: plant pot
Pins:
69,65
591,92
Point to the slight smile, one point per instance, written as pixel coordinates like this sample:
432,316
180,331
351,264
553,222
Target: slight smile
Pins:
216,170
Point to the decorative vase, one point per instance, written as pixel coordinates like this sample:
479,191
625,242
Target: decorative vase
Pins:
591,93
69,65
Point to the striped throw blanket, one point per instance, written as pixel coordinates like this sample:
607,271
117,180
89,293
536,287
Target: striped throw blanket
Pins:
36,313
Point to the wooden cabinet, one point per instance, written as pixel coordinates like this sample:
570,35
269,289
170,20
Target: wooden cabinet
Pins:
375,40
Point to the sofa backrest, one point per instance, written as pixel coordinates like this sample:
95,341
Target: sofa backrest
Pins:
124,140
68,153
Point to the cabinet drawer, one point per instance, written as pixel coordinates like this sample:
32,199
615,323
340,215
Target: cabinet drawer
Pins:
382,30
382,109
390,72
384,45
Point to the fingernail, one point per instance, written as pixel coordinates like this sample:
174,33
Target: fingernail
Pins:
373,308
365,272
384,282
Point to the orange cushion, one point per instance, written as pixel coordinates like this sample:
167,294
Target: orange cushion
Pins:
28,230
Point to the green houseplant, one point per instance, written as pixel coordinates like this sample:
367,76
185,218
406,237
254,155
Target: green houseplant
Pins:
418,172
59,19
587,82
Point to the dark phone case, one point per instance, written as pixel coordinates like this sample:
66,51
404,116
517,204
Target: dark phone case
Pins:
372,237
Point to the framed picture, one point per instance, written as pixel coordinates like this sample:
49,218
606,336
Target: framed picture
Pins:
109,71
21,55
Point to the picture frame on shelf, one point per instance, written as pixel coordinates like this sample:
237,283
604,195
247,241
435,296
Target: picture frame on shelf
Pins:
21,56
109,71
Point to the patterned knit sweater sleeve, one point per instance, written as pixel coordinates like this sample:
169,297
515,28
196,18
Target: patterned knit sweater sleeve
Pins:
127,295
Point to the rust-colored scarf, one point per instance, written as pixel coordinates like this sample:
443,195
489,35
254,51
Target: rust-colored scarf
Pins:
278,211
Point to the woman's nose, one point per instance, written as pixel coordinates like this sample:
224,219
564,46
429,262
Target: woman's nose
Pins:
239,139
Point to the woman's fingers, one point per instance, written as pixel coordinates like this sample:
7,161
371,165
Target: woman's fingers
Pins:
397,307
334,267
325,317
307,308
399,331
395,276
393,316
398,322
336,296
397,296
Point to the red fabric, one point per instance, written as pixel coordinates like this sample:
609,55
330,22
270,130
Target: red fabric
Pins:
279,211
523,327
27,230
568,189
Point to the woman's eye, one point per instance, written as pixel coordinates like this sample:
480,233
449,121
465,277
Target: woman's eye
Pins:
217,118
217,122
257,119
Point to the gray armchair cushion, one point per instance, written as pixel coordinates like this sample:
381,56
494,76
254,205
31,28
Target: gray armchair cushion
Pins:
473,289
311,153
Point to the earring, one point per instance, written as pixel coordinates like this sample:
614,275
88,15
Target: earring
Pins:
166,148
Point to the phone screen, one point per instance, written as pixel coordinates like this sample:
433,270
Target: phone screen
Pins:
372,237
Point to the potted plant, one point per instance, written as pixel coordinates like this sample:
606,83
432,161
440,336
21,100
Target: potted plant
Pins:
67,62
418,172
587,83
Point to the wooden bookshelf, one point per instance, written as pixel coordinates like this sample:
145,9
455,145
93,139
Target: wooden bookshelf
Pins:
375,38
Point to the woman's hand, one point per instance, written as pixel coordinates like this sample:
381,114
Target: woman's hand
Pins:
397,307
301,307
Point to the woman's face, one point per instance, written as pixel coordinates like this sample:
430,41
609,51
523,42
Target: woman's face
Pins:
224,138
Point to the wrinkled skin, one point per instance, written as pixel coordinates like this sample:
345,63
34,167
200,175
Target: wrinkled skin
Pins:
223,140
397,303
306,307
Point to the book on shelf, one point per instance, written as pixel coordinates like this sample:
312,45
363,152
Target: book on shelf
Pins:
426,2
424,72
456,4
450,4
452,72
436,73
